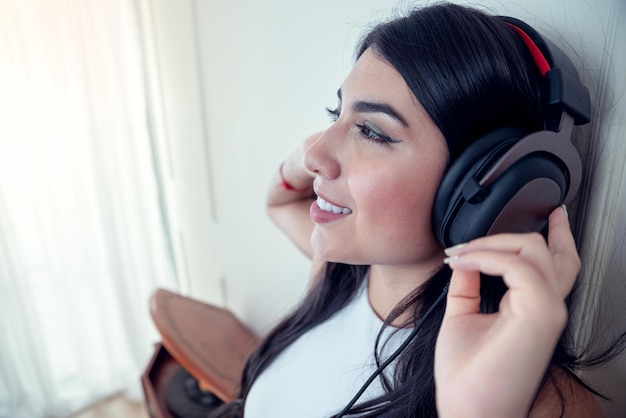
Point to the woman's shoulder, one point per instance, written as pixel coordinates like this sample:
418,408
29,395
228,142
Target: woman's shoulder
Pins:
565,396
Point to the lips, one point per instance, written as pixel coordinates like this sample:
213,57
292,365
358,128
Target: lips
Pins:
322,211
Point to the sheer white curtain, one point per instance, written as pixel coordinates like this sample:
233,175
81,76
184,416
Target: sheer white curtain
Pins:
82,241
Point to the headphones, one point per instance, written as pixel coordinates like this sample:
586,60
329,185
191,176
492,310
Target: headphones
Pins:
510,180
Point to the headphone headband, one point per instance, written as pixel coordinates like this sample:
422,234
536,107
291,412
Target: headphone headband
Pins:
540,60
563,87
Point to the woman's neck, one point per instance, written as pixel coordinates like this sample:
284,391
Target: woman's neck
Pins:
390,284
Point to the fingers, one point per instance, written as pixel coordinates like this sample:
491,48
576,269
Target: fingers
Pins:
522,259
464,293
517,272
563,248
507,254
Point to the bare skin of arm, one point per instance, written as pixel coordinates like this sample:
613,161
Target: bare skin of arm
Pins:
289,208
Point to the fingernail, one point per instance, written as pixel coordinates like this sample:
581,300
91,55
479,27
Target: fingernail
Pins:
565,210
448,260
454,249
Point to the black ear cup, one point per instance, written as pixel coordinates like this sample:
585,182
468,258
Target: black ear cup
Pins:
519,200
510,180
484,149
477,155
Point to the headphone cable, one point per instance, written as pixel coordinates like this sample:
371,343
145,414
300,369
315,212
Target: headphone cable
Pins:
396,353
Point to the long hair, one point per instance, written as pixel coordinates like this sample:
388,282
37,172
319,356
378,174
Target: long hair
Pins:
472,74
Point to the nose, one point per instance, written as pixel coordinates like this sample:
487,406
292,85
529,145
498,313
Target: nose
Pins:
321,156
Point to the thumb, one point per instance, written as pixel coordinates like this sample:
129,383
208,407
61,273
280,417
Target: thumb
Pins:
464,294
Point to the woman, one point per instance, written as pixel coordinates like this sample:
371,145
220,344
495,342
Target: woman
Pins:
357,199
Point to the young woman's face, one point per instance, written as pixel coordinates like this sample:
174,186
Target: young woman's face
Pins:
377,169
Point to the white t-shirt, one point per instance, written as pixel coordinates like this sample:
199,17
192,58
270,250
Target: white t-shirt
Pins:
321,371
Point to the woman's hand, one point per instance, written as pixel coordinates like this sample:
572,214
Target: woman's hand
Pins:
290,196
491,365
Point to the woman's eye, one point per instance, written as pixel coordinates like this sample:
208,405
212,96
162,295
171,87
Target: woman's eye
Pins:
367,130
371,132
333,113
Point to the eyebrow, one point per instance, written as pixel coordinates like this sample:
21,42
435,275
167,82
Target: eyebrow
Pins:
376,107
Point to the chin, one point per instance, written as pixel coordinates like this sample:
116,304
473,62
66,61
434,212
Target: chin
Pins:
330,256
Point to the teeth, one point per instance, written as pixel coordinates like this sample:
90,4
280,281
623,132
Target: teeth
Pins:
327,207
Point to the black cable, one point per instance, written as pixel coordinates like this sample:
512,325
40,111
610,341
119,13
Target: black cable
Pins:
395,354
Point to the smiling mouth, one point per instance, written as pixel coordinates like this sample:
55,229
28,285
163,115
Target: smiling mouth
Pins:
328,207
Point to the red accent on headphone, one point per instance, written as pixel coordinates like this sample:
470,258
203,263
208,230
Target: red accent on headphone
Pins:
540,60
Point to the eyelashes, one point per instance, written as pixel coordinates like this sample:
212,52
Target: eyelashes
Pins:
372,132
367,130
333,113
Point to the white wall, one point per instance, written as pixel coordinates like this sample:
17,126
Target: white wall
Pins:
242,82
268,70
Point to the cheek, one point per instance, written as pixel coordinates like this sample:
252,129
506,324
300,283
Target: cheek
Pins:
397,210
403,210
